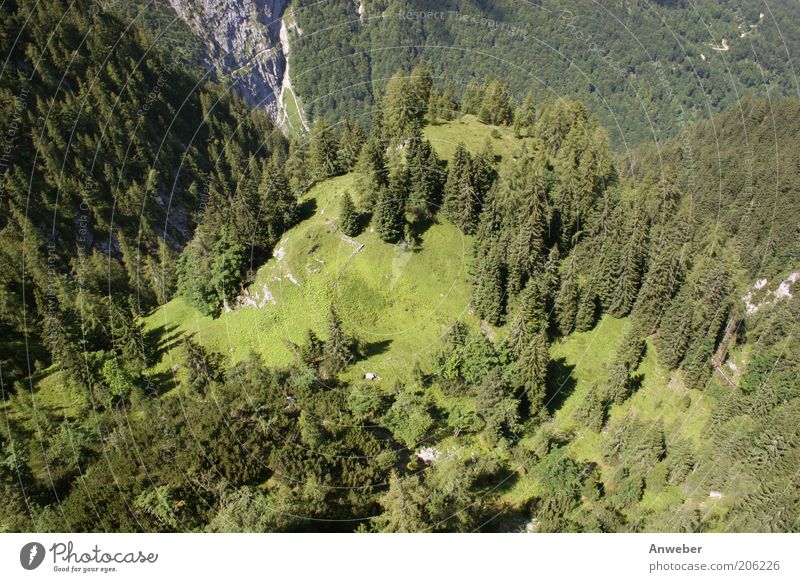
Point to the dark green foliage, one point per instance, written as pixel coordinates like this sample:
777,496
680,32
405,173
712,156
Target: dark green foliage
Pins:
348,217
351,140
469,178
323,151
390,210
496,107
592,410
496,406
566,303
586,316
202,368
339,348
373,175
425,179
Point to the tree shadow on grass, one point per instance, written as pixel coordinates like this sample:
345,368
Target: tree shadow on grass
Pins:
159,340
375,348
560,383
306,209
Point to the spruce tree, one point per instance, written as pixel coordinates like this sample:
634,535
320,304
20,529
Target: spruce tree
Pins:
372,175
587,309
525,117
338,347
472,97
351,141
591,412
566,303
323,150
460,198
496,106
348,217
390,210
488,281
424,177
531,371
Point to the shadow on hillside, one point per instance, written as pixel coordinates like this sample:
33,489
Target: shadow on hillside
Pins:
159,340
306,209
560,383
418,230
375,348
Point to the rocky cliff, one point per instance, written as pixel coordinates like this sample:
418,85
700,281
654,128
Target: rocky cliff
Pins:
242,42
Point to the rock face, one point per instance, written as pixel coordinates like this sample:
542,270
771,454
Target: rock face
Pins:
242,45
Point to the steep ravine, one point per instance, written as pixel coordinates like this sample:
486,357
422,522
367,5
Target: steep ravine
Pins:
243,44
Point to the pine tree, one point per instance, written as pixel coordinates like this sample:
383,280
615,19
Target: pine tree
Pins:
472,98
390,210
496,106
203,368
488,281
424,178
591,412
631,266
531,371
348,217
338,347
323,150
587,309
403,505
525,117
351,140
420,85
372,174
495,405
566,303
461,203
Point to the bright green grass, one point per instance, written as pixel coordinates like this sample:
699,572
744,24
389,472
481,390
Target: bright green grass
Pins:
446,136
291,103
398,302
660,398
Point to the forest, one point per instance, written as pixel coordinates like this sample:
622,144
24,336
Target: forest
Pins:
616,350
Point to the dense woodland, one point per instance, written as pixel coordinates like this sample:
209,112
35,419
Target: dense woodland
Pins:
646,68
126,185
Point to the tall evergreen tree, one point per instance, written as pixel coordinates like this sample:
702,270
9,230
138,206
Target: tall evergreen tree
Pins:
531,371
339,351
348,217
323,150
496,106
587,309
566,302
390,210
461,204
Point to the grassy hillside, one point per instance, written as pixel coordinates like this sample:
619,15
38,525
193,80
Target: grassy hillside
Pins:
400,301
397,300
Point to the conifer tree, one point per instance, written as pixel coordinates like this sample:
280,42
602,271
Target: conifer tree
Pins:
323,150
591,412
496,106
390,210
566,303
351,141
460,198
338,346
531,371
525,117
348,217
372,173
495,405
587,309
403,505
472,98
424,178
488,281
